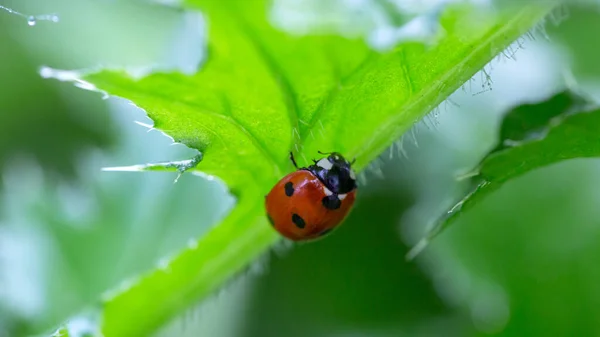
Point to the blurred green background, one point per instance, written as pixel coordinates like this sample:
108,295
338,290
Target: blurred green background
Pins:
523,263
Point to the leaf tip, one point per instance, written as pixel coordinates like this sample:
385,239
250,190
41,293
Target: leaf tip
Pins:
132,168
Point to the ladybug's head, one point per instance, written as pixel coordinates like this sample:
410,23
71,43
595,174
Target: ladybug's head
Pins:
336,173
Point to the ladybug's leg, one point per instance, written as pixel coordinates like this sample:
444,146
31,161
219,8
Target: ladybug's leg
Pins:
293,160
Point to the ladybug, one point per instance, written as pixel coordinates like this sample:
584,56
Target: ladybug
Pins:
310,202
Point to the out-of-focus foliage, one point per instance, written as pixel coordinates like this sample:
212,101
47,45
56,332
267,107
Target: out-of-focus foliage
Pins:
35,120
576,33
527,254
531,136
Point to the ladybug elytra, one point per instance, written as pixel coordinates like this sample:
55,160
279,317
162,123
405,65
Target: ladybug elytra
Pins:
312,201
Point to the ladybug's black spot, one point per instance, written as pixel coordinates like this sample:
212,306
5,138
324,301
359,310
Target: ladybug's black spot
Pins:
298,221
331,202
289,189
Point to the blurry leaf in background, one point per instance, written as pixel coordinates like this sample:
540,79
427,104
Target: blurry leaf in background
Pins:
136,35
532,136
383,24
54,122
532,121
577,32
36,122
524,261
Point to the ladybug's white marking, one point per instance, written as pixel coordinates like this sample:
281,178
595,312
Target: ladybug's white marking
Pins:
352,175
327,191
342,196
324,163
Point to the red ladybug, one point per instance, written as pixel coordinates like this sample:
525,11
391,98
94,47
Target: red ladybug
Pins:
310,202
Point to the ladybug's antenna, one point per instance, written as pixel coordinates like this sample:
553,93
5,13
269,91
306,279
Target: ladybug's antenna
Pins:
324,152
353,161
293,160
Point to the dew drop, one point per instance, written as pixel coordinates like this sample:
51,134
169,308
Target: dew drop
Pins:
31,20
163,264
82,326
192,243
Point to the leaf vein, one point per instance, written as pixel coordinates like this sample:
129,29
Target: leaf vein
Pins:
277,73
334,91
406,75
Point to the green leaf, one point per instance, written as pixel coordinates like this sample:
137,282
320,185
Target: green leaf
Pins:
531,136
263,92
582,18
